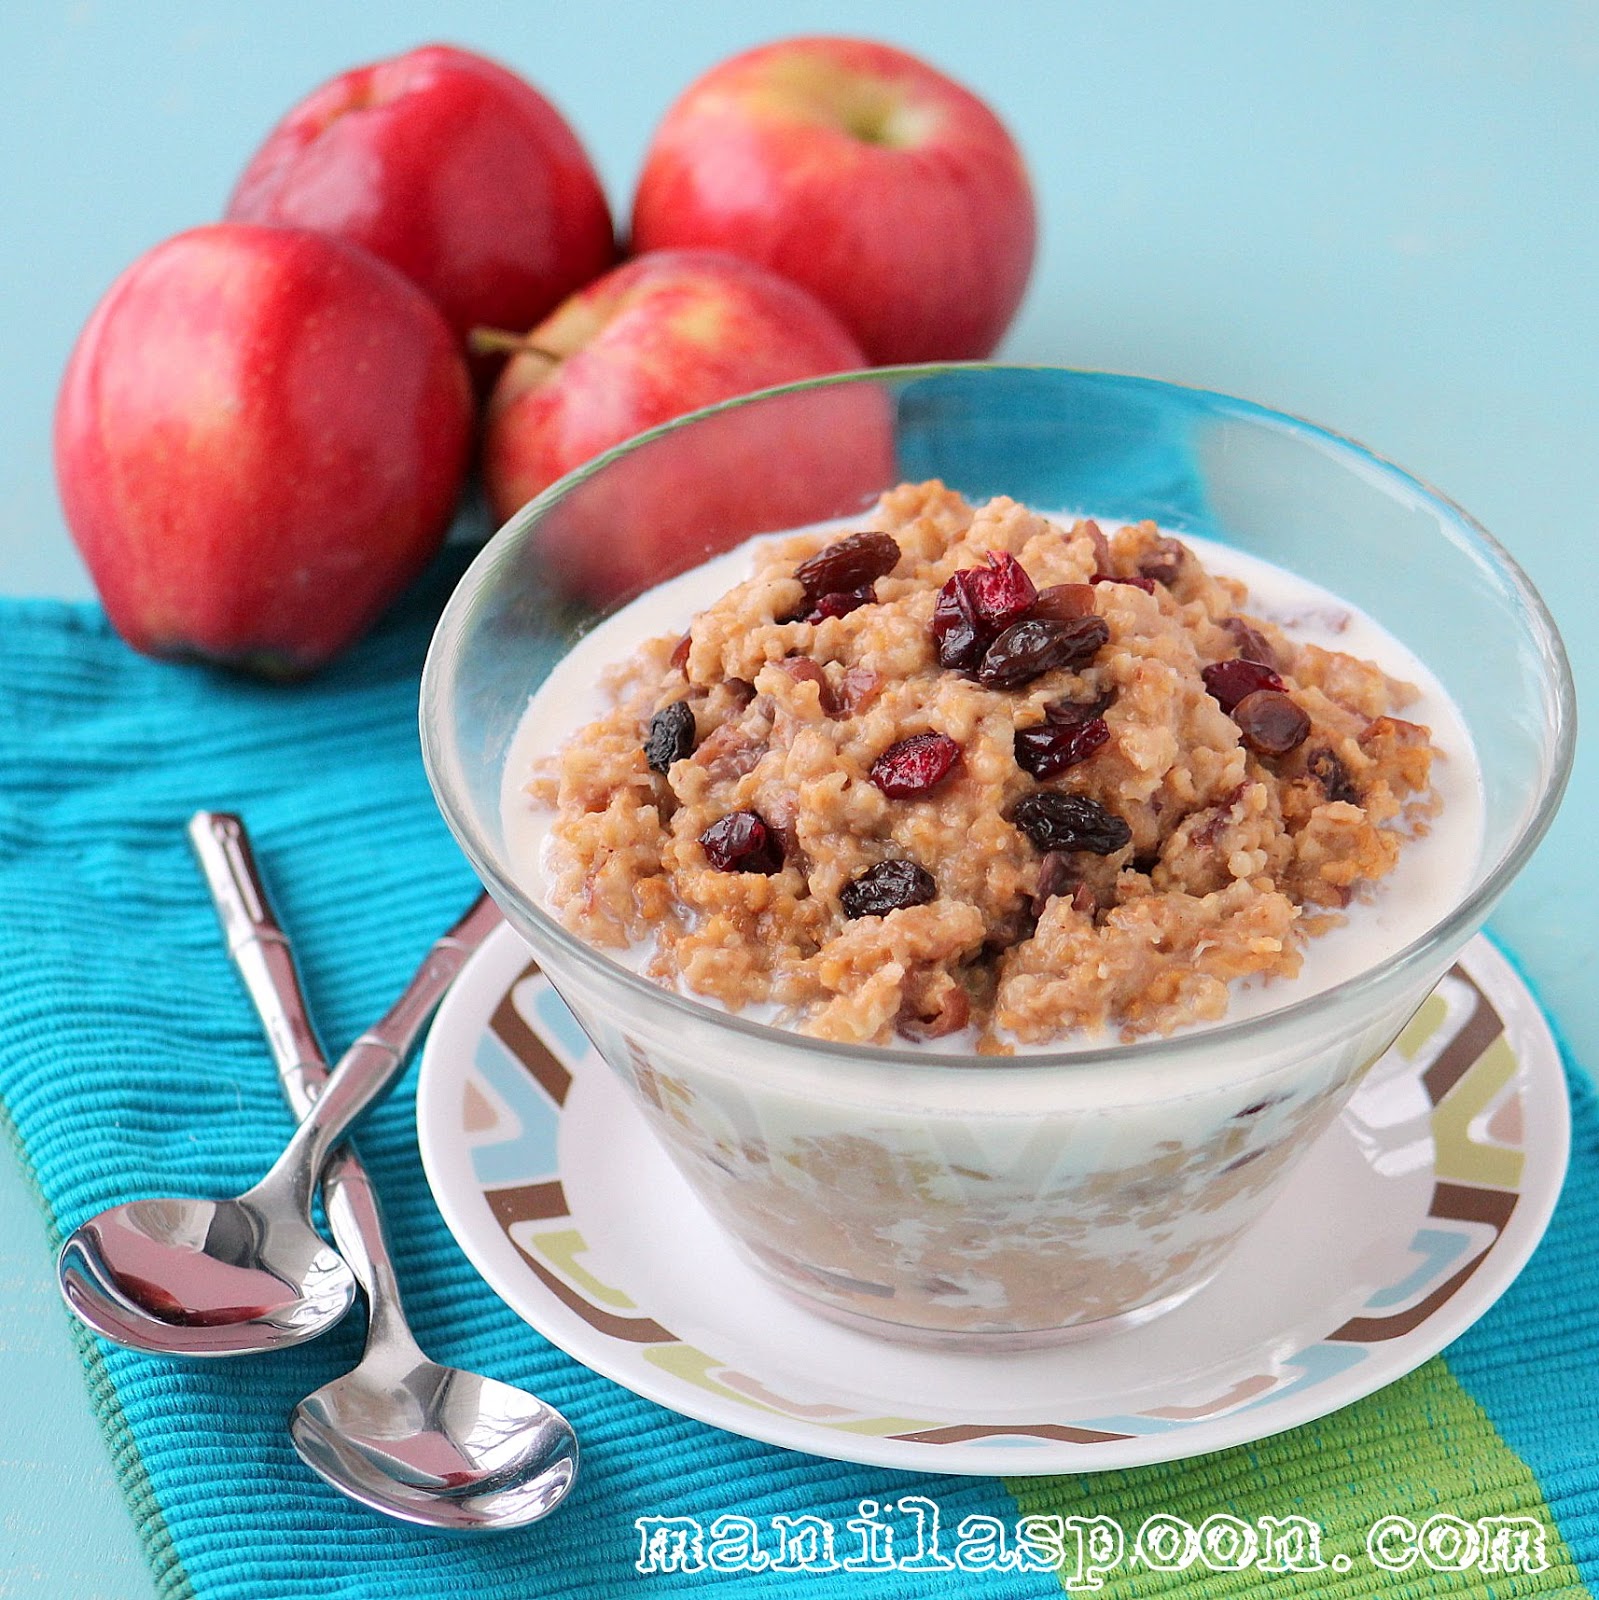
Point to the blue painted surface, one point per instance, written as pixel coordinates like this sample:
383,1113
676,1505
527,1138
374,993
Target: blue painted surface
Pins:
533,1149
1437,1251
562,1027
1378,215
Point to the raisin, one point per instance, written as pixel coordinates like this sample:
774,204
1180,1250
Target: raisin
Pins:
1063,601
1002,593
1090,530
930,1011
671,736
840,603
782,822
1014,927
889,886
1146,584
1229,681
678,660
729,751
804,670
1056,876
742,842
858,688
848,564
1027,650
1251,642
1069,713
1270,723
1333,776
1164,561
909,769
1056,821
1053,747
959,637
1217,818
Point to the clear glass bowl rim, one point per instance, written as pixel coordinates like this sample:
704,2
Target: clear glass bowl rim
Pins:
1559,706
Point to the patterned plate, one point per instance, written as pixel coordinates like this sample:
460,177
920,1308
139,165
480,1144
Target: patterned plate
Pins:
1408,1219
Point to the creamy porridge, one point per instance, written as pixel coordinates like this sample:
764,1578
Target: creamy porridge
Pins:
992,780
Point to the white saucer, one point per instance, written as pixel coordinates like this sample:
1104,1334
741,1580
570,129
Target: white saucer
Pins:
1408,1219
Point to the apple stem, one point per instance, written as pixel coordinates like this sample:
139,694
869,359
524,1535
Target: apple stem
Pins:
500,341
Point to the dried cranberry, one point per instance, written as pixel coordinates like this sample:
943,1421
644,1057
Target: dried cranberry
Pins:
1052,748
1251,642
909,769
1063,601
1229,681
840,603
889,886
848,564
1146,584
1057,821
1027,650
977,603
671,736
1002,593
742,842
959,636
1333,776
1270,723
1164,561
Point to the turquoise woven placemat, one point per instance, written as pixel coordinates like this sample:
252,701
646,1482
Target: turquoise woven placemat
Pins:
130,1063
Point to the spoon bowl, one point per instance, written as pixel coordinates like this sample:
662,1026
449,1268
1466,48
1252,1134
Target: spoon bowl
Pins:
437,1446
203,1277
245,1276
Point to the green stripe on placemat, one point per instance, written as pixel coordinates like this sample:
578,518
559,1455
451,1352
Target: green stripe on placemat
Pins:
1420,1446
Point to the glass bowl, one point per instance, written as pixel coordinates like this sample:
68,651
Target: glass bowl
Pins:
978,1201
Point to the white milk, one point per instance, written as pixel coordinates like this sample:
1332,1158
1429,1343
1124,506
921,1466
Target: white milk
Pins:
1432,873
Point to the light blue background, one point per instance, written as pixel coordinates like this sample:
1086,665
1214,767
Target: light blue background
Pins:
1383,216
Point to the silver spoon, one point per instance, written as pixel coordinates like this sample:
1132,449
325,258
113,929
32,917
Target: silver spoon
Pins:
402,1434
240,1277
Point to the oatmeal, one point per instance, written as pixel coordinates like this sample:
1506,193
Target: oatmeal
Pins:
970,770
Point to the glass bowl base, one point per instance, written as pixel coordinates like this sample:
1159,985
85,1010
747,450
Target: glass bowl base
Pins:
980,1341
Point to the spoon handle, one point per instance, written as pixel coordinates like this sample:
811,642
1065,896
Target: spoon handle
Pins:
261,952
373,1062
326,1105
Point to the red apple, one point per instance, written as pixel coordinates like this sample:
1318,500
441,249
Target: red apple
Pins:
892,193
661,335
450,168
259,441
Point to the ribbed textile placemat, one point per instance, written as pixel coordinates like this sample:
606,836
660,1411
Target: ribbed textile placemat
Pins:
131,1064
